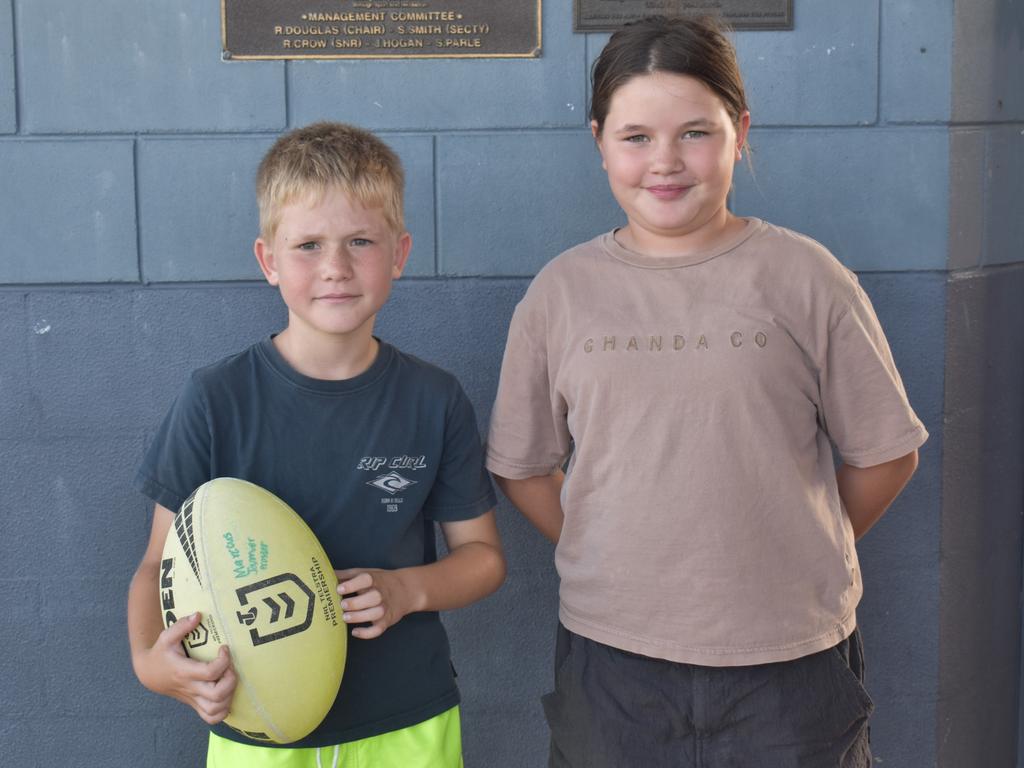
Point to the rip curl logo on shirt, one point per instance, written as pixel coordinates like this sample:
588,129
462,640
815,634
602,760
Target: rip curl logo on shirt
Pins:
392,482
374,463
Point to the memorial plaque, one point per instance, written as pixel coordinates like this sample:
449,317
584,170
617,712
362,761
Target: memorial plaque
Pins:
380,29
609,15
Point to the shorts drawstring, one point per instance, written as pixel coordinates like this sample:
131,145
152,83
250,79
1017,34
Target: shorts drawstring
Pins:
334,761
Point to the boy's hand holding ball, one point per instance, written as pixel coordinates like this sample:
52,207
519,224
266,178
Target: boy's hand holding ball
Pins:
373,596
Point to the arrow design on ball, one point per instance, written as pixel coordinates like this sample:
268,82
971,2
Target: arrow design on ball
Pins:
289,604
275,609
289,592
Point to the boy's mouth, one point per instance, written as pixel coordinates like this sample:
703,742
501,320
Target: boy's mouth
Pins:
336,297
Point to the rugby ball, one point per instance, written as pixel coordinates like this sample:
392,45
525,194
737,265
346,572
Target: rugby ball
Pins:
262,582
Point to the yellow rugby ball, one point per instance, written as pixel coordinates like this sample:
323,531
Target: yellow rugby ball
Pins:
262,582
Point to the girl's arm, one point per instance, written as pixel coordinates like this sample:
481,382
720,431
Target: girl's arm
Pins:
868,491
473,568
539,499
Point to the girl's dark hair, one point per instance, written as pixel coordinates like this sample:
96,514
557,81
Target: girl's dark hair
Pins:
698,47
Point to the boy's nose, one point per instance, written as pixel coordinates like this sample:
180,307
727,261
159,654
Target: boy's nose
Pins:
336,265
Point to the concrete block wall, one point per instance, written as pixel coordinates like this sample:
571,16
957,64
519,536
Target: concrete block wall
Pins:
890,130
983,488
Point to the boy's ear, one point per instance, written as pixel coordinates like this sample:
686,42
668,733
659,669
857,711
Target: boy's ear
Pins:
402,248
265,257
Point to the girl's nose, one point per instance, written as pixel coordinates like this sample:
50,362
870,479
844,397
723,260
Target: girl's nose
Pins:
667,158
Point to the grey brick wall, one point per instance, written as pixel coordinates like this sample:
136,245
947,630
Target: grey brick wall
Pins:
890,130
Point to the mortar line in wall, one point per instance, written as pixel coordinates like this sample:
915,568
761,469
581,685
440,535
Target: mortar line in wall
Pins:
138,217
518,131
18,106
251,284
986,158
957,124
1015,123
437,206
287,97
587,96
983,270
848,126
878,71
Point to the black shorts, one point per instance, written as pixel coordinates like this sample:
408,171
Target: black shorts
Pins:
615,709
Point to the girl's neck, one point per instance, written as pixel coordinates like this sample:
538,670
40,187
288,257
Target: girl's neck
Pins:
720,229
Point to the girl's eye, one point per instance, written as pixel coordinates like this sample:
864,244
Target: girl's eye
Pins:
637,139
694,134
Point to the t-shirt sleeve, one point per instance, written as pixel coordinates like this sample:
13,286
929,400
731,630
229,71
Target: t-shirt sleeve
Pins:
529,435
865,408
462,490
178,460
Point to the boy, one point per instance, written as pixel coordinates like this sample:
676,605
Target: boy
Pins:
369,445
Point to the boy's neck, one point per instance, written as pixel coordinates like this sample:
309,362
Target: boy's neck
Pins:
328,359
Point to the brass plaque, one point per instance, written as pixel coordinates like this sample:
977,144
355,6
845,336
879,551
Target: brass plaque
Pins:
609,15
380,29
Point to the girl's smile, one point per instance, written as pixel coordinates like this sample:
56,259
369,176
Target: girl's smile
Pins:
668,191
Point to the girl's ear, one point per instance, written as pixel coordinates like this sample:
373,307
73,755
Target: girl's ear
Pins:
265,257
742,129
595,132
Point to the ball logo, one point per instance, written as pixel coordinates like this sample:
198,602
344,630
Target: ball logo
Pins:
275,608
198,637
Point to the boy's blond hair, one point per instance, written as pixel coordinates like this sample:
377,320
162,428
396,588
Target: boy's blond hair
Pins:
309,161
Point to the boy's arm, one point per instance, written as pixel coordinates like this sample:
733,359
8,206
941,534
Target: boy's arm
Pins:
473,568
868,491
539,499
158,658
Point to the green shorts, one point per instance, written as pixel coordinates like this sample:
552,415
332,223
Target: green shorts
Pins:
434,743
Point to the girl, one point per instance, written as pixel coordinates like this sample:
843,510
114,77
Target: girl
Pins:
694,368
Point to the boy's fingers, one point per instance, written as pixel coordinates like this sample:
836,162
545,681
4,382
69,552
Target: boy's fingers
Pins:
348,573
362,601
180,629
217,668
354,581
224,688
212,712
368,633
376,613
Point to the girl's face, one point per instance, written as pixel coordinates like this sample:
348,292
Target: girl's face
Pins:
669,147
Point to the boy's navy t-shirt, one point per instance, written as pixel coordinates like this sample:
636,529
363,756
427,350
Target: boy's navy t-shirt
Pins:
370,463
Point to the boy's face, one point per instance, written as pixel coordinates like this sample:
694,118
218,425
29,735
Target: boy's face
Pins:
334,261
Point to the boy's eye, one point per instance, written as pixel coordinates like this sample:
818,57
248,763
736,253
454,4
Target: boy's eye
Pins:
307,246
361,242
636,139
